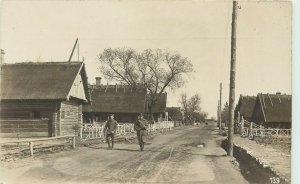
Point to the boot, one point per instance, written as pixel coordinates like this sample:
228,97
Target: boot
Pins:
109,146
141,147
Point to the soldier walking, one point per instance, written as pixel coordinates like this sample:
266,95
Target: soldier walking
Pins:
110,130
140,127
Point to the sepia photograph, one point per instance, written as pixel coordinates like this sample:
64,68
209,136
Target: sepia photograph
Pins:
146,91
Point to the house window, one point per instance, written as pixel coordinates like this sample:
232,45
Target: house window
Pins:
36,114
62,114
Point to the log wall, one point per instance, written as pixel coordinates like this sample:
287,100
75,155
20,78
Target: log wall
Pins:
15,128
70,118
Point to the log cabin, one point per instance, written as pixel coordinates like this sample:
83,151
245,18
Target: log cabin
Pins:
124,101
273,110
244,107
160,107
42,99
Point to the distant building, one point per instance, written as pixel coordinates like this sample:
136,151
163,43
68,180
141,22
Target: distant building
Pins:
160,107
245,107
42,99
124,101
273,110
174,113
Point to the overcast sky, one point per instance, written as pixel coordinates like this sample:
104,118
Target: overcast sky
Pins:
199,30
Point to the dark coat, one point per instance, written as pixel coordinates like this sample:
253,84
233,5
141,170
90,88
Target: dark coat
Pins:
110,126
141,124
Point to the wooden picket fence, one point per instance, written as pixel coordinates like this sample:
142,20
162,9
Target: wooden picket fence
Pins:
161,126
250,129
260,132
89,131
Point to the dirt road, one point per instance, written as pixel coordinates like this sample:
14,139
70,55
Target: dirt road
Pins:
172,157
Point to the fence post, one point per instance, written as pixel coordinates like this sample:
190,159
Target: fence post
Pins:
31,148
80,132
74,142
238,123
277,132
261,132
251,131
242,125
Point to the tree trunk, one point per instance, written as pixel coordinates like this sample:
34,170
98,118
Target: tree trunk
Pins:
150,113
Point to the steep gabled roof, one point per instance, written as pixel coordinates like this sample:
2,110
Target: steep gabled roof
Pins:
276,107
245,106
40,80
117,98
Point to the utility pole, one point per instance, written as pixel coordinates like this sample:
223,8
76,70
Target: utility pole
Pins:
232,79
218,113
220,106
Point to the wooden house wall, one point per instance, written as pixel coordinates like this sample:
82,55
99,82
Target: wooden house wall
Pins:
25,110
77,89
90,117
70,113
24,128
26,119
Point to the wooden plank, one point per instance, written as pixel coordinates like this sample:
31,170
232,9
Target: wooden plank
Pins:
24,134
41,139
31,148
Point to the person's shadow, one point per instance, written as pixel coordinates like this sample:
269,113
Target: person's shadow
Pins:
105,148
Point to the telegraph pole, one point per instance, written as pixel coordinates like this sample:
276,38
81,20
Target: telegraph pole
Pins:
220,106
232,79
218,113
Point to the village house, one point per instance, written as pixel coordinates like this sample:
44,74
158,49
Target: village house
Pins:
174,113
273,110
124,101
244,107
42,99
160,108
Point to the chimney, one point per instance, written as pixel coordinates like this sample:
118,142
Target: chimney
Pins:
98,81
1,56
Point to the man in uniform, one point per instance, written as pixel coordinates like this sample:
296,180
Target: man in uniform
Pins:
110,130
140,127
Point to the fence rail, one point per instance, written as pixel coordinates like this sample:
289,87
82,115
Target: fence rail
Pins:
260,132
89,131
31,142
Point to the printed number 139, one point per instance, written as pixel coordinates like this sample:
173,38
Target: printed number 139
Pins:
275,180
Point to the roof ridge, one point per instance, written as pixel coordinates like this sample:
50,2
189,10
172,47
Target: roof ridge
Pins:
42,63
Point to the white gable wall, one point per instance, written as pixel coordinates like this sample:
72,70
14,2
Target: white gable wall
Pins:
77,90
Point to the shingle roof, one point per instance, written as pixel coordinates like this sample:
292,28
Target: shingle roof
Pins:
276,107
117,98
40,80
245,106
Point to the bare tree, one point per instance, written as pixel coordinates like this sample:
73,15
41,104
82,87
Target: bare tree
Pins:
191,108
225,113
156,69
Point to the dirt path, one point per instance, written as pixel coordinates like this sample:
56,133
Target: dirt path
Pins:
170,158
